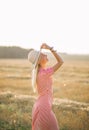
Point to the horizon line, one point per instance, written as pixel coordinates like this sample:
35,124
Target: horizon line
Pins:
67,53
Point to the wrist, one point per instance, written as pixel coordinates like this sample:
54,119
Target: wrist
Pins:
50,48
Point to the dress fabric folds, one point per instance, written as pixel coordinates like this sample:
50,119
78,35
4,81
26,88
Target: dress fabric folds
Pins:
43,117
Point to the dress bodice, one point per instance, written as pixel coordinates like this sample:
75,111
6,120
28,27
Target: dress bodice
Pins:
44,81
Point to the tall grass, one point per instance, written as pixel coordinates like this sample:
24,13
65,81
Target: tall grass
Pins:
71,81
16,110
71,95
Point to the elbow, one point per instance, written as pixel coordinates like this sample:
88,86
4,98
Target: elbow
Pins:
58,65
61,62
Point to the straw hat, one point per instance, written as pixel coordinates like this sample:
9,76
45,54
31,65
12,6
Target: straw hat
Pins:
33,57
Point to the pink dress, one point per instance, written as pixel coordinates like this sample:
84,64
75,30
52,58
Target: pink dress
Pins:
43,117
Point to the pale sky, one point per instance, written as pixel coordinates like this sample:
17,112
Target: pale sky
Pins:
63,24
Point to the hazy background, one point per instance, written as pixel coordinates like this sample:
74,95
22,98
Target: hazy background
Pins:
63,24
26,24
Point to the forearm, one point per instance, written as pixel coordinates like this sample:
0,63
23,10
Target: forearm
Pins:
56,55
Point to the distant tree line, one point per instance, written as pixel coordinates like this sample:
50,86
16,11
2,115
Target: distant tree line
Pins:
13,52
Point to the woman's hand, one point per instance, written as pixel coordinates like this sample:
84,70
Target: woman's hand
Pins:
45,46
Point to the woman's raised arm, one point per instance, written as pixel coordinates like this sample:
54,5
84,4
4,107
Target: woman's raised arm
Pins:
56,55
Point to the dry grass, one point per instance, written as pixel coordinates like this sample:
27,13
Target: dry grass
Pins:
71,92
71,81
16,110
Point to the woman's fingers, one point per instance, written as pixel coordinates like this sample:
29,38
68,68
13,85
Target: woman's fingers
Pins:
45,46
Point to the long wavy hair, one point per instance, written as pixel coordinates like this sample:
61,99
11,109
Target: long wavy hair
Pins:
35,72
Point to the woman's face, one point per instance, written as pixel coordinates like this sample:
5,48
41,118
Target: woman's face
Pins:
43,59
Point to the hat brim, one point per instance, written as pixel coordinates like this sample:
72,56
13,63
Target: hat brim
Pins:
36,62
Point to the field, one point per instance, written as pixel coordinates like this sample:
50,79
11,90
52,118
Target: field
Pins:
71,95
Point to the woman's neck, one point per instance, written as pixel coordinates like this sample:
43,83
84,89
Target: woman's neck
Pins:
42,66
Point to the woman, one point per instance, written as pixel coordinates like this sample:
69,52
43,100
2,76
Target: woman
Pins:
43,117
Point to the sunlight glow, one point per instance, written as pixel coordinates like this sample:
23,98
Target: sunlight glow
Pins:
62,24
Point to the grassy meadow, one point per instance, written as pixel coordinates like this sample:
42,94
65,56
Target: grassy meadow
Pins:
71,94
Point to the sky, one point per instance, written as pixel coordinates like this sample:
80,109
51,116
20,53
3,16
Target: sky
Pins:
63,24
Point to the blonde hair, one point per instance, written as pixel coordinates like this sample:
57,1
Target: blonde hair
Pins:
34,73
